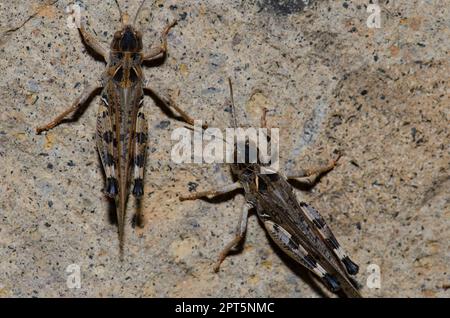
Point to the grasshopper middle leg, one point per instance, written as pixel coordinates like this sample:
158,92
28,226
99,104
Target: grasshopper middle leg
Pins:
170,103
240,233
315,171
80,101
162,49
212,193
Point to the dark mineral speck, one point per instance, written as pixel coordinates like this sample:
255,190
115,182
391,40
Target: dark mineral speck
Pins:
163,124
192,186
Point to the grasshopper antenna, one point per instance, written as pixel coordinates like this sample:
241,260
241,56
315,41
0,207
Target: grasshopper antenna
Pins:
137,13
233,114
124,17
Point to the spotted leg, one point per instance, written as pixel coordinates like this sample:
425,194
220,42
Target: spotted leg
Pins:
327,235
211,193
105,146
290,245
140,148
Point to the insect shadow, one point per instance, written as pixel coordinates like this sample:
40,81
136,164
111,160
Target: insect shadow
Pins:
79,112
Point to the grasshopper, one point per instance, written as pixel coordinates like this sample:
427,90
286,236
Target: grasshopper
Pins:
295,226
121,124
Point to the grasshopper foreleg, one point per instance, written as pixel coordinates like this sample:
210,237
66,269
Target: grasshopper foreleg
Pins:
93,43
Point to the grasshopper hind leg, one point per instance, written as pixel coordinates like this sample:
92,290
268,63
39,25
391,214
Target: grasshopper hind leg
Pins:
327,235
140,154
294,249
140,147
105,145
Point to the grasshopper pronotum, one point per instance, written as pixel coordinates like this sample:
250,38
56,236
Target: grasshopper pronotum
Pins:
121,123
296,227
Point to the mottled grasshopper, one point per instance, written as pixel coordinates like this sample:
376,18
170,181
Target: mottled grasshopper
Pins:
121,124
296,227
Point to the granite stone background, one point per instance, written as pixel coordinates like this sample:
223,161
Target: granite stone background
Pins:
378,95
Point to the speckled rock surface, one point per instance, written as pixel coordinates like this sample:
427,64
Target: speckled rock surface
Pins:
381,96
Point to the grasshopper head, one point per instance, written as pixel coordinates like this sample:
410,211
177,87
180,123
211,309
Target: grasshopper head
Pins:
127,40
245,157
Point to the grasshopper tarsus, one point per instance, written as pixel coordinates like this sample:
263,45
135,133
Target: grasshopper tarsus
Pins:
166,31
169,26
42,129
226,250
185,198
335,161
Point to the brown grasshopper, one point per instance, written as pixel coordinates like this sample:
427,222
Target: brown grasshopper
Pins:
121,123
296,227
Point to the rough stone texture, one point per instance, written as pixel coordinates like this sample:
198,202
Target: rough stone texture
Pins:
381,96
